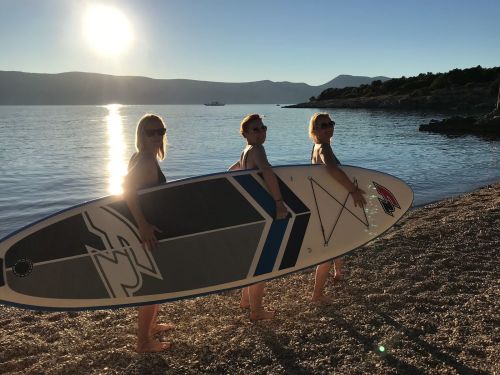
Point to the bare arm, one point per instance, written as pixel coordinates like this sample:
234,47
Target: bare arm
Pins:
234,166
133,204
339,175
271,182
145,173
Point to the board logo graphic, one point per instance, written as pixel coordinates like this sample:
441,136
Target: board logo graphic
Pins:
123,261
333,204
387,200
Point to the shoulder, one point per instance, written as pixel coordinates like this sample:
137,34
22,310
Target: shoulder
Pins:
141,166
324,148
258,149
258,156
327,155
141,159
259,152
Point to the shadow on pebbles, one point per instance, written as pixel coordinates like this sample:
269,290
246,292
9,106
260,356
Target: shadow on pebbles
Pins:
423,299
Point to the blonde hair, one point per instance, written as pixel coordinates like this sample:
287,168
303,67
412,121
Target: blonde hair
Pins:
312,124
149,119
247,120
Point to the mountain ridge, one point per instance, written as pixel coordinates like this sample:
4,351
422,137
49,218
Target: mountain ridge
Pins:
87,88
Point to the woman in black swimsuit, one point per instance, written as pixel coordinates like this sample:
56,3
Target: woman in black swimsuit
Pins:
143,172
321,128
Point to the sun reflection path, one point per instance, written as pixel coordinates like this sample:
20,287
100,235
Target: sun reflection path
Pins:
117,166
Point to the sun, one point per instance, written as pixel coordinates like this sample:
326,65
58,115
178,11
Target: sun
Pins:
107,30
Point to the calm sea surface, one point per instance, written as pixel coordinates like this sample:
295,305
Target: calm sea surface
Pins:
53,157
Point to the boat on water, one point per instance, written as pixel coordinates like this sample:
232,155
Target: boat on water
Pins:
215,104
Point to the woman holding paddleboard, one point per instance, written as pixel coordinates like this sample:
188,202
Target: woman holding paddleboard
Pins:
321,129
143,172
254,156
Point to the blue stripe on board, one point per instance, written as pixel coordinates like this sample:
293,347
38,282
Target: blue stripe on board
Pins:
263,198
295,241
291,199
271,247
278,227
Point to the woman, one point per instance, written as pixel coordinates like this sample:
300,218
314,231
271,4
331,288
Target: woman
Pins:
321,132
144,171
254,156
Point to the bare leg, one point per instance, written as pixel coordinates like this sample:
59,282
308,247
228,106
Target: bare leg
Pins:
339,269
156,327
146,321
245,298
319,284
257,311
162,327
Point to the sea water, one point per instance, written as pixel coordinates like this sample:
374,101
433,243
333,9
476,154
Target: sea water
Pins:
53,157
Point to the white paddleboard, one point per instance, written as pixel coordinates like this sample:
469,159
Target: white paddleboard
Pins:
218,233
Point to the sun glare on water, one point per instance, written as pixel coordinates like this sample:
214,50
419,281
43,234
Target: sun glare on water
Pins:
107,30
117,166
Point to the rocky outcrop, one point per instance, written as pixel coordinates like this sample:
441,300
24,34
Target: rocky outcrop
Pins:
477,98
488,125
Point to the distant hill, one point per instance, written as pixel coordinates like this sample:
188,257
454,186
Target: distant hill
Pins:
19,88
345,80
472,89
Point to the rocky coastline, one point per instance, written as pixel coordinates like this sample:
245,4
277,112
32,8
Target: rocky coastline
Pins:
459,99
488,126
475,98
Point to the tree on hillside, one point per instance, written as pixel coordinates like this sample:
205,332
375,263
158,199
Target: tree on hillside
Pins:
423,84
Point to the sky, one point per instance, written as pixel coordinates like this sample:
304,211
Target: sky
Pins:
309,41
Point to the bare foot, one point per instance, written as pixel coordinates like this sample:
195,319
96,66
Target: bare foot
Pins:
338,277
261,314
152,346
322,300
162,328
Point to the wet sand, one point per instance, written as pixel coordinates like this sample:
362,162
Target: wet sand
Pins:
428,292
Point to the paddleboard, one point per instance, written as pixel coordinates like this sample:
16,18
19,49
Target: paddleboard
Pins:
217,233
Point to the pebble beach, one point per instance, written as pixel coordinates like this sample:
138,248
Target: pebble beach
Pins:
422,299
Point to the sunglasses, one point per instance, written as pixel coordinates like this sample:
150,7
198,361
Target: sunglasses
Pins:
152,132
327,125
262,128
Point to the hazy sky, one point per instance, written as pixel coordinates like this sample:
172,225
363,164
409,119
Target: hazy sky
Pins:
235,41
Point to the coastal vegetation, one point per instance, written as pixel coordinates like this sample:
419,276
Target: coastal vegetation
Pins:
423,84
472,89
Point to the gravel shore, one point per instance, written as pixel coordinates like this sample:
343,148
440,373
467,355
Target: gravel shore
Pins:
422,299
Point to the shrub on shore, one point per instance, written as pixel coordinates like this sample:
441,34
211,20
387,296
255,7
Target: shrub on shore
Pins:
423,84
